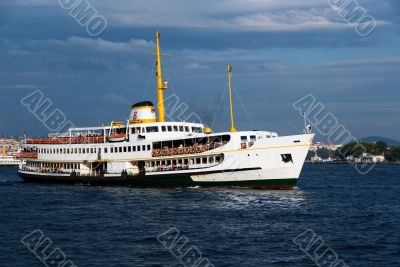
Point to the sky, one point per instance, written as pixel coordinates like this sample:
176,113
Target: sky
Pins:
280,51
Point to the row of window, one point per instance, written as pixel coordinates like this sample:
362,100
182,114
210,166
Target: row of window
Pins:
244,138
94,150
166,128
124,149
48,165
253,138
184,161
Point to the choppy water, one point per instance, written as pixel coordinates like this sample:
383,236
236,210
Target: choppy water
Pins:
356,216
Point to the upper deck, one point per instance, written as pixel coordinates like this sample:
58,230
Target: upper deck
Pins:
96,135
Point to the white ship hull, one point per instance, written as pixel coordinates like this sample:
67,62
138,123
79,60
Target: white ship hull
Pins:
260,164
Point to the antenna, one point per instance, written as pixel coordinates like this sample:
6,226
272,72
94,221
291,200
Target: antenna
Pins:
307,127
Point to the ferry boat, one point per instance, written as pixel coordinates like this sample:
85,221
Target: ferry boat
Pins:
9,161
147,150
5,159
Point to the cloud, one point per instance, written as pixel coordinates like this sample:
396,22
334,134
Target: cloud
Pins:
21,86
385,61
195,66
98,44
223,15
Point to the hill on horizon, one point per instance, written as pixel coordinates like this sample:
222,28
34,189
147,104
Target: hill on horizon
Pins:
372,139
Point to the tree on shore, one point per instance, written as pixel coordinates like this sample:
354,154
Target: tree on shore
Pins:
356,149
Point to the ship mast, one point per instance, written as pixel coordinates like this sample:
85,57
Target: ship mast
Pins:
161,85
233,129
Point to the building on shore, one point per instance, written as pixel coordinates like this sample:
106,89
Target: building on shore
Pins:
369,158
12,146
320,145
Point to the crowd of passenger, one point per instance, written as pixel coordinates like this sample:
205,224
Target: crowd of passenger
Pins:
31,155
46,170
61,171
183,150
171,167
69,140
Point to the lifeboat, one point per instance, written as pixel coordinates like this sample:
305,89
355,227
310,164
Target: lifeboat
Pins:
117,138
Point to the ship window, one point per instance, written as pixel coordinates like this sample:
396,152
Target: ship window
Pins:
133,148
143,147
252,138
124,148
137,130
111,150
198,161
218,158
204,160
175,128
87,150
152,129
143,130
148,147
138,148
105,150
163,128
120,149
169,127
181,128
268,136
187,129
243,138
287,158
196,129
211,160
129,149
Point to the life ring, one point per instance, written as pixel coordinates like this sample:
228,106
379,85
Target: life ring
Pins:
243,145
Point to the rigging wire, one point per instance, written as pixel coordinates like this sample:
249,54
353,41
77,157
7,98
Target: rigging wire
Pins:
219,105
150,62
148,83
244,109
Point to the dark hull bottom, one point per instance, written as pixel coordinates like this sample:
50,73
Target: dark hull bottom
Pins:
157,181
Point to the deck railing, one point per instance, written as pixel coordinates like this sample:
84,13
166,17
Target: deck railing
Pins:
184,150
